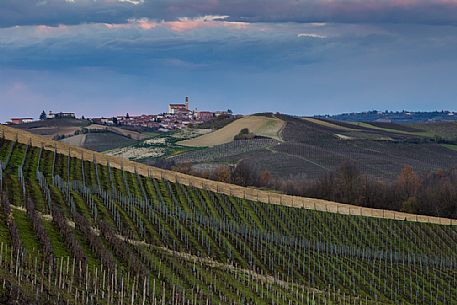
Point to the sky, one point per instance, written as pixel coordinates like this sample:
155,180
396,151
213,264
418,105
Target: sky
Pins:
301,57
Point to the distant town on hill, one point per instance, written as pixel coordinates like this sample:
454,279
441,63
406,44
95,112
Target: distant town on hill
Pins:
393,117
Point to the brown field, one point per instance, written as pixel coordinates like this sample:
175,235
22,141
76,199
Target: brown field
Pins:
99,141
220,187
52,128
124,132
327,124
51,132
77,140
259,125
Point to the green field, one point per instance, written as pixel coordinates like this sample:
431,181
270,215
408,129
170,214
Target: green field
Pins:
450,146
445,130
150,134
165,145
121,238
415,133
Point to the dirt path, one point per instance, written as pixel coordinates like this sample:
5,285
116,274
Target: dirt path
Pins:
208,261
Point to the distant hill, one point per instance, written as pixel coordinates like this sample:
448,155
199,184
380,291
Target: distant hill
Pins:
84,134
390,116
54,127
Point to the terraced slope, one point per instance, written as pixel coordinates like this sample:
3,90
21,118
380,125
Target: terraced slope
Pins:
76,232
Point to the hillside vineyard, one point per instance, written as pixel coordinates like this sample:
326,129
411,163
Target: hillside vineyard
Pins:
77,232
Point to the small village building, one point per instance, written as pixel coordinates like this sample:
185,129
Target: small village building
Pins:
103,121
204,115
219,113
61,115
18,121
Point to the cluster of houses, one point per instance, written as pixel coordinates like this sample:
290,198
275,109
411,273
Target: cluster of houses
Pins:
178,116
50,115
18,121
61,115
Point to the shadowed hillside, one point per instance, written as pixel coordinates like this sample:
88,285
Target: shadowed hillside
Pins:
312,148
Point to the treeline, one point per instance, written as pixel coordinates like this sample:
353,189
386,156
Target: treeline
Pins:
84,130
218,122
433,194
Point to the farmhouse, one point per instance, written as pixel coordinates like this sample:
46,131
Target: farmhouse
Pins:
61,115
18,121
103,121
179,108
221,113
204,115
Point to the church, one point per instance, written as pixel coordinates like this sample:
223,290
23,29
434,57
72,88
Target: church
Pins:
179,108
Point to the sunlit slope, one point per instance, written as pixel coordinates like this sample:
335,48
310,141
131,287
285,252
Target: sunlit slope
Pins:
259,125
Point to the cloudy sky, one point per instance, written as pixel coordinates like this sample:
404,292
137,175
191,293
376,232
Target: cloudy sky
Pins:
303,57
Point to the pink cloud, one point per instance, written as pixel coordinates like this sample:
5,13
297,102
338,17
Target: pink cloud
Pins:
44,29
147,25
187,24
142,23
181,25
117,25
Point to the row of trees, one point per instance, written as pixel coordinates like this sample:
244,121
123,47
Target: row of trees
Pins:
434,193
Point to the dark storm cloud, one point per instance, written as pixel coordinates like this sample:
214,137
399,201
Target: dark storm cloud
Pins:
54,12
187,44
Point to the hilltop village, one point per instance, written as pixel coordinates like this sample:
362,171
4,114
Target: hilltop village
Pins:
178,116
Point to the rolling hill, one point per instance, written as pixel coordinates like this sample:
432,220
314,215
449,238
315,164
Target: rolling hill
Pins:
77,227
395,117
82,133
54,127
99,141
269,127
311,148
117,130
